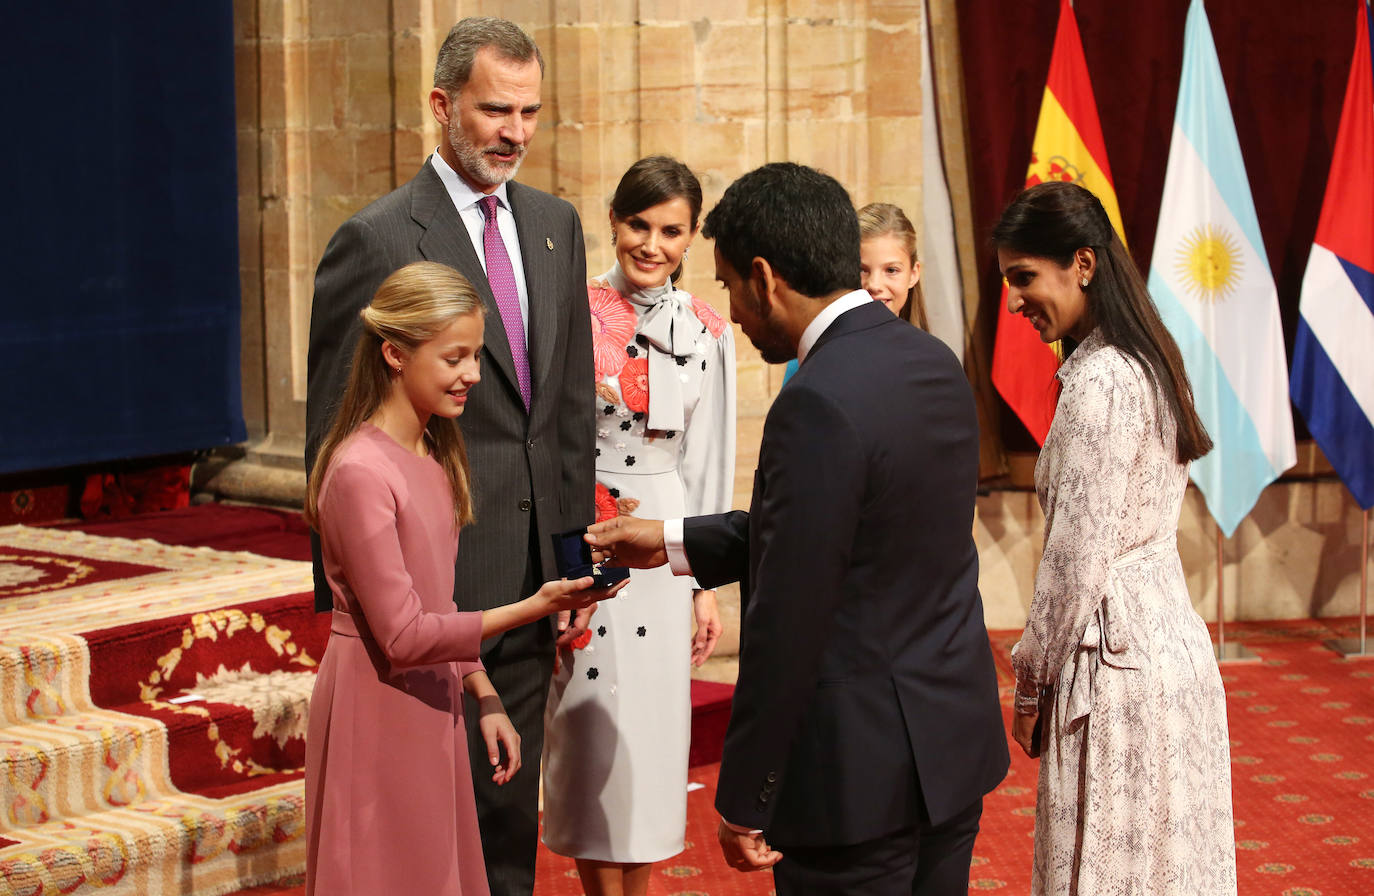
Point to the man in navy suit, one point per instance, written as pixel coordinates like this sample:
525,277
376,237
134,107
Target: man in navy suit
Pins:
865,728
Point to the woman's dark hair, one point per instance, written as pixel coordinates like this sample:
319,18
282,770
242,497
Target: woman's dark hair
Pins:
1054,220
653,180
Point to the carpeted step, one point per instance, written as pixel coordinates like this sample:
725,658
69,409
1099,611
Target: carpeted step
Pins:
84,761
114,780
90,800
153,659
218,748
160,847
153,700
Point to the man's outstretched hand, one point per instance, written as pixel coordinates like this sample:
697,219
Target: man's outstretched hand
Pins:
629,541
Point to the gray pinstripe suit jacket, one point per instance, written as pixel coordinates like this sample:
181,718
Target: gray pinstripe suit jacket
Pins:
538,462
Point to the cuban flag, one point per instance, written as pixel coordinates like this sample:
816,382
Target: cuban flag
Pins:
1333,353
1210,278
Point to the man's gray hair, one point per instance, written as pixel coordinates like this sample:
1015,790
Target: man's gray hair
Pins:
454,65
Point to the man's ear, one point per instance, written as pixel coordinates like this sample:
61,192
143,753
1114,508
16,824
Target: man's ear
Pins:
765,281
440,106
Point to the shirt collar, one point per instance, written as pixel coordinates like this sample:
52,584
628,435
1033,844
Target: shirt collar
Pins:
1090,344
459,190
821,323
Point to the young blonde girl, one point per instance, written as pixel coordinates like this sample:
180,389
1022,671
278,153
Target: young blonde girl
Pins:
889,268
389,800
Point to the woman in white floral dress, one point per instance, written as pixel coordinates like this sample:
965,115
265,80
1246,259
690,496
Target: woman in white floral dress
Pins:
618,720
1117,688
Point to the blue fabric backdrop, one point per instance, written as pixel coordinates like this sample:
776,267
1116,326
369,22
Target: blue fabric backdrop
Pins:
119,271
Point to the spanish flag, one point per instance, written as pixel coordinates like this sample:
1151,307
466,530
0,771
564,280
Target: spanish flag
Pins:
1068,146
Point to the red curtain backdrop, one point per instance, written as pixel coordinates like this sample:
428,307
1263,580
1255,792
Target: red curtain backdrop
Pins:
1285,67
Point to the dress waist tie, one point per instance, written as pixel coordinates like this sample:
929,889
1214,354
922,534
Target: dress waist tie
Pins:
1109,638
343,624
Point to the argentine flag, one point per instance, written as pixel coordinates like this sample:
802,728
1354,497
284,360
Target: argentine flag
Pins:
1333,352
1211,280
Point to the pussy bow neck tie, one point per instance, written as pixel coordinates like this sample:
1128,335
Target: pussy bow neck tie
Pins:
671,326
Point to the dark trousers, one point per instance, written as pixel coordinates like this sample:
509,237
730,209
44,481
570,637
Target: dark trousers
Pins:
925,860
520,667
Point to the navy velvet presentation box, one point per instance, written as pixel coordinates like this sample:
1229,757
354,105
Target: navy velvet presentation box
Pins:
573,557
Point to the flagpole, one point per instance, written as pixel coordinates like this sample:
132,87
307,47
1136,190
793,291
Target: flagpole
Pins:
1221,591
1357,648
1227,653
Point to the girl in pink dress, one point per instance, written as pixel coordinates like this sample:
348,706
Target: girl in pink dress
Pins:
389,801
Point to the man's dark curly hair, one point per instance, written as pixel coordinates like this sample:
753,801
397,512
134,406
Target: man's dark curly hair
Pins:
800,220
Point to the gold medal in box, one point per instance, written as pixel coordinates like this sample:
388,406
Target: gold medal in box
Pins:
573,557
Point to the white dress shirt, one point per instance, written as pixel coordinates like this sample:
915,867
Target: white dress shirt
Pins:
465,200
672,529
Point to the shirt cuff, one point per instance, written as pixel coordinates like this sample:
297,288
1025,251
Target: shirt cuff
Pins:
740,829
675,548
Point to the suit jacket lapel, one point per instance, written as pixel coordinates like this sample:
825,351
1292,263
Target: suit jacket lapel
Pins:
538,252
446,241
861,318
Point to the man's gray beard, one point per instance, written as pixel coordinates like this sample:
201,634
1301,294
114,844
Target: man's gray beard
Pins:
474,162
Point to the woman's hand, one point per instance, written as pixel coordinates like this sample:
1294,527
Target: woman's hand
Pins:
571,627
553,597
495,725
499,734
574,594
1023,732
707,615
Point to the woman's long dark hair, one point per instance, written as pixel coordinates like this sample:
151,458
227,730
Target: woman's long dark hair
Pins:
1054,220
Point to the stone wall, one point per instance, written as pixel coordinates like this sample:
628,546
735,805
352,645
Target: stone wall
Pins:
332,114
1297,555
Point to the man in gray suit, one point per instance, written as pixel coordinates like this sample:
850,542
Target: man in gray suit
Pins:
529,426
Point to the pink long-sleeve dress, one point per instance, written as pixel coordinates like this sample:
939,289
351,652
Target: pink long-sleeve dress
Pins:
389,801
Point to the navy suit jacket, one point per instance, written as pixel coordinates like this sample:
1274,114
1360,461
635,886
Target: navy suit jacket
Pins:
867,698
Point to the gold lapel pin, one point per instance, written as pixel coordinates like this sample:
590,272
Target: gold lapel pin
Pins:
548,241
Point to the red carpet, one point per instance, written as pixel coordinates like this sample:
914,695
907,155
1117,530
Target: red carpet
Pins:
152,699
1302,731
1302,754
150,619
155,675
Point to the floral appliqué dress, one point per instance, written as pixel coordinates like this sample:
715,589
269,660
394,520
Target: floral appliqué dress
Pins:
1135,775
618,720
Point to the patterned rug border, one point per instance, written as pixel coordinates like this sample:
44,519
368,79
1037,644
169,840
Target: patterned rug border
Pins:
189,580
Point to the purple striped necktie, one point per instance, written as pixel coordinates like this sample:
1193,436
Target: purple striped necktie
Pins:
501,277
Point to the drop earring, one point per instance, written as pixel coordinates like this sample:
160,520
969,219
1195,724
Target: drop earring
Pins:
1083,282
